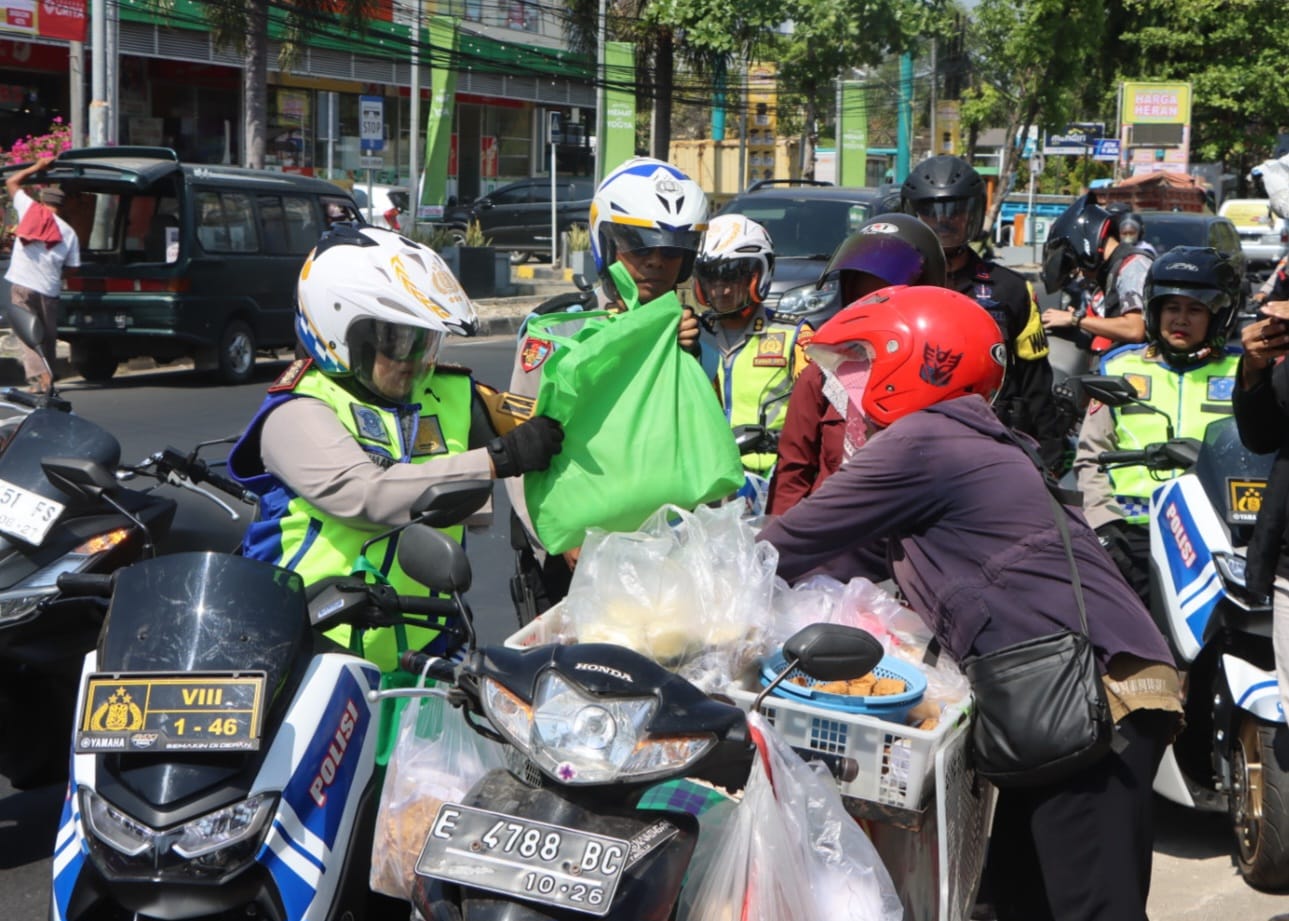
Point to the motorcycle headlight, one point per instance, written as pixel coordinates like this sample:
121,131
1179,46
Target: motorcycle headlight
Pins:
23,599
209,847
807,298
577,738
1233,569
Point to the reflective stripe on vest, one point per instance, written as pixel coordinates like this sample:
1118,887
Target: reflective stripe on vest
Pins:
1192,399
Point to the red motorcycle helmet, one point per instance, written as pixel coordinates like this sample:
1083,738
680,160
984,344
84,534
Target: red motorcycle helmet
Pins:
925,345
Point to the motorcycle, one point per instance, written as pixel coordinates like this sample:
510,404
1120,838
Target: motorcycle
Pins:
589,729
46,531
1232,755
224,752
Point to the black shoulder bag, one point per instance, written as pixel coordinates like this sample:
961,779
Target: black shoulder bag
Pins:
1041,712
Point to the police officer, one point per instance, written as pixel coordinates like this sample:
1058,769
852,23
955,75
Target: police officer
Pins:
752,356
948,195
350,436
1186,369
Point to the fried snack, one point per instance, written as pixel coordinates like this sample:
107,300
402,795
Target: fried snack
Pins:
928,724
885,687
862,687
832,687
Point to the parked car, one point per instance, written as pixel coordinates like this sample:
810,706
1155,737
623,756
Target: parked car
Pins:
389,204
517,216
1263,236
807,220
182,259
1165,229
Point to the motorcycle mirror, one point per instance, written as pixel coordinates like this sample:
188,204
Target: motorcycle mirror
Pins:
78,476
1112,391
29,328
434,559
833,652
447,504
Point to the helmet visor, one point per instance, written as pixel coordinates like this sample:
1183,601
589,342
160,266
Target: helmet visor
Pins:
847,368
391,358
676,243
1058,265
885,256
952,219
727,283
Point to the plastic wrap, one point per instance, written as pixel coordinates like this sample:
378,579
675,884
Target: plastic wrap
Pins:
438,759
1275,178
789,852
691,590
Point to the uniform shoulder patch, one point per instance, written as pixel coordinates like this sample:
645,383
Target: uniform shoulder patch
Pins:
534,352
289,378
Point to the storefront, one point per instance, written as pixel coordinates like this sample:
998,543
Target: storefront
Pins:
33,88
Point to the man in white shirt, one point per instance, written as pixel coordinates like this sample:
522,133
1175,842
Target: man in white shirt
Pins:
44,247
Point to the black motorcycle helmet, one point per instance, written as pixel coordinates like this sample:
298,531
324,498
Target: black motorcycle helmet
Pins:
1076,241
1201,273
897,249
940,191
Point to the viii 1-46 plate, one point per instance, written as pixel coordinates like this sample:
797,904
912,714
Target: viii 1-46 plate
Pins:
548,864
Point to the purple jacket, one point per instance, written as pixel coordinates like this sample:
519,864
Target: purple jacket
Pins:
975,545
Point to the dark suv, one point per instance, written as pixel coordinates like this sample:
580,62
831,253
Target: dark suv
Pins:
806,220
517,216
1165,229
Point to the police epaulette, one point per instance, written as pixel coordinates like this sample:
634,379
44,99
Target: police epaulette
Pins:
289,378
451,368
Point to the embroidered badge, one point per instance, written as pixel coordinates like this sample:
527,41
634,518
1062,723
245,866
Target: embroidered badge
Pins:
1140,383
535,351
1221,388
769,351
369,424
288,379
938,365
429,438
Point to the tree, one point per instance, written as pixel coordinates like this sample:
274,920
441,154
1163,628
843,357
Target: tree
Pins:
244,26
1233,56
1031,60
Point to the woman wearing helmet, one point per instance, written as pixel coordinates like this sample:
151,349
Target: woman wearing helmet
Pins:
948,195
1186,370
1085,238
349,437
752,358
649,216
975,549
890,249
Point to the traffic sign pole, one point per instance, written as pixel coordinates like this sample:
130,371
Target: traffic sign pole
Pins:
371,140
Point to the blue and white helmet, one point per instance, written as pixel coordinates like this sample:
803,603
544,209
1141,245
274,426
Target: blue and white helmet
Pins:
365,289
646,204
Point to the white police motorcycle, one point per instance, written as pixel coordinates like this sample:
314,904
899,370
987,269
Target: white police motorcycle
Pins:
1234,752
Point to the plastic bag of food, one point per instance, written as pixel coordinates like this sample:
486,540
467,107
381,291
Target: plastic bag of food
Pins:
690,590
438,759
1275,178
789,852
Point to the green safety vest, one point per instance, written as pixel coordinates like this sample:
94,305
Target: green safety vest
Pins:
333,544
1192,398
759,371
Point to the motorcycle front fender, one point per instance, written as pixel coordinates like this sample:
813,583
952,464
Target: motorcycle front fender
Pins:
1252,689
662,845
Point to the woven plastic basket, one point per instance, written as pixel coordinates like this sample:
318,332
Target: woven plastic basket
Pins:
892,707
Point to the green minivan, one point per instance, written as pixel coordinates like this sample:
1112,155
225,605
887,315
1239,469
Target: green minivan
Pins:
183,259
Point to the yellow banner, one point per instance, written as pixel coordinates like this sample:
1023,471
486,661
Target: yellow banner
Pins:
1156,103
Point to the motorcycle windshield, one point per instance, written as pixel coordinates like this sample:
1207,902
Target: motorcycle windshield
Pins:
1233,477
209,612
49,433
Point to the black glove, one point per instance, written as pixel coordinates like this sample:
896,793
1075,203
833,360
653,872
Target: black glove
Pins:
527,447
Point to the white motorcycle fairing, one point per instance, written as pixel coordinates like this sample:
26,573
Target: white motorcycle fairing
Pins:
321,759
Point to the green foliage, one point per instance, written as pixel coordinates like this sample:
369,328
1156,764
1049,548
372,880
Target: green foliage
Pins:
436,237
474,235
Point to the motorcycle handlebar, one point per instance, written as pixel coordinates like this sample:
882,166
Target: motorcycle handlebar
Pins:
1121,457
439,607
86,584
842,768
418,663
197,470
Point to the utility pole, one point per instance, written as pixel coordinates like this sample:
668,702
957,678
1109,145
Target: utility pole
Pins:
76,85
935,141
600,89
98,74
414,120
904,126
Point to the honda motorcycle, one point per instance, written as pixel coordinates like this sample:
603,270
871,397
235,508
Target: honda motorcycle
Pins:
224,749
1234,752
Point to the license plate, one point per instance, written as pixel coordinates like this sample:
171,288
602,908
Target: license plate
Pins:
25,514
548,864
156,712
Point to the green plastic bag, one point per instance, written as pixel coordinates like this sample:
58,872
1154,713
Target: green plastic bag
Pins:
642,425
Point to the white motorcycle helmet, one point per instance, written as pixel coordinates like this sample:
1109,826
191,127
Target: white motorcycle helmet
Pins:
734,249
364,292
646,204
